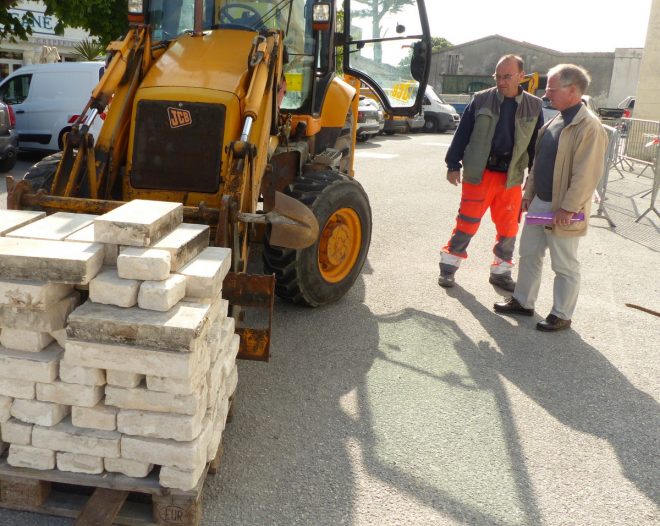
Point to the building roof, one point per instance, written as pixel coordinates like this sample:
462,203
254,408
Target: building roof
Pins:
525,44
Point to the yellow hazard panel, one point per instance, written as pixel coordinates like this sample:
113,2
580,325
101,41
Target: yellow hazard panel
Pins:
294,81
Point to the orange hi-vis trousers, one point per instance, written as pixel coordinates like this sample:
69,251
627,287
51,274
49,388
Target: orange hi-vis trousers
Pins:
504,207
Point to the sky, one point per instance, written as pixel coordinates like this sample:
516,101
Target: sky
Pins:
562,25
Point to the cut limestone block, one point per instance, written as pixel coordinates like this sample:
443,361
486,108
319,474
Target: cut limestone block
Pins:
16,388
182,455
55,227
78,463
143,263
124,378
205,273
182,428
32,366
40,413
31,457
32,294
107,287
51,318
219,419
21,340
16,432
139,223
59,261
182,328
131,359
183,386
70,394
162,295
73,439
232,382
12,219
5,405
184,243
145,400
180,478
229,362
75,374
60,336
100,416
130,468
86,235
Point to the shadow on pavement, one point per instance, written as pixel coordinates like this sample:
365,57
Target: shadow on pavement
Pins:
579,387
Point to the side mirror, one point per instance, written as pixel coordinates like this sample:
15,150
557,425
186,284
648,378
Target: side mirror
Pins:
321,16
419,60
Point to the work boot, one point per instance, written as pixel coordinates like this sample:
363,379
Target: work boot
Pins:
446,280
502,281
447,273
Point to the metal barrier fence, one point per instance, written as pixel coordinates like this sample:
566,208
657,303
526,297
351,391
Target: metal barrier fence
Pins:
610,160
638,142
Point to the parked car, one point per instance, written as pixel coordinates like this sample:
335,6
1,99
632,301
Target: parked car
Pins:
549,112
400,124
48,98
370,121
8,138
624,110
438,115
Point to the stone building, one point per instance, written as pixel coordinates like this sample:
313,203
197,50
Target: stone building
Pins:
469,67
43,45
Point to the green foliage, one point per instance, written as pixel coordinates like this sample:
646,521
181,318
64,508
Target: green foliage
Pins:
89,49
440,43
104,19
12,27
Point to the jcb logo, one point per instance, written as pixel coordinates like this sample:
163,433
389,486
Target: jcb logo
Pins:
179,117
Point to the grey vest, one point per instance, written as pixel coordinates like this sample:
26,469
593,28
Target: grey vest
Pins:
486,113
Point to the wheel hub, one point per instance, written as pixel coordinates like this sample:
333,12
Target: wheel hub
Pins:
339,245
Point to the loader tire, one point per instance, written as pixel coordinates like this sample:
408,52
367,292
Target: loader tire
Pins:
41,175
325,271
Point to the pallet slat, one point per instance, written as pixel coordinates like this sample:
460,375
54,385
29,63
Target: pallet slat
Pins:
102,508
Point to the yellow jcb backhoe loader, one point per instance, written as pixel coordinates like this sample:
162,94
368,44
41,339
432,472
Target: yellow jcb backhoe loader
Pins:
235,110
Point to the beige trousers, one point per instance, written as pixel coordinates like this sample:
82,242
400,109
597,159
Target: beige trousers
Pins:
563,260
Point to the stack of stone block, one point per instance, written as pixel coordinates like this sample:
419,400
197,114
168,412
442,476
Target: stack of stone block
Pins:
140,374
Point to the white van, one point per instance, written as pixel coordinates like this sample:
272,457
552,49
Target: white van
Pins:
47,99
438,115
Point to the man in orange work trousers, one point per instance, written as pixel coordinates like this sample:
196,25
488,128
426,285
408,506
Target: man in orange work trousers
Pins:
495,143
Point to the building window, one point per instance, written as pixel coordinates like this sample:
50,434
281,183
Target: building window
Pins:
453,64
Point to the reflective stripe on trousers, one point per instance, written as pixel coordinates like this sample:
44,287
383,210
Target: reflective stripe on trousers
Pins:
504,207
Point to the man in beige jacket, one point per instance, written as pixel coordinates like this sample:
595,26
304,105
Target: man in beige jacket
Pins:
570,152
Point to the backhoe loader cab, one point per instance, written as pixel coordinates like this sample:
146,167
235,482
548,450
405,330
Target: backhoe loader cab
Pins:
235,109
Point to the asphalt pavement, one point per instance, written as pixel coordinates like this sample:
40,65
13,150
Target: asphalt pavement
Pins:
408,404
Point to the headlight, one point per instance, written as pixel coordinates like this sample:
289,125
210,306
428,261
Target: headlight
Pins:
135,7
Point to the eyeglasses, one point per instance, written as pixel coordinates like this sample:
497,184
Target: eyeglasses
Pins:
506,77
559,88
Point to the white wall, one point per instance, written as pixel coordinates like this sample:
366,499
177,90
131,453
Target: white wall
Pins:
625,75
647,105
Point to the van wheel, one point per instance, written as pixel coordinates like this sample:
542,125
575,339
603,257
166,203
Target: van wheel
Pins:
7,163
430,125
41,175
325,271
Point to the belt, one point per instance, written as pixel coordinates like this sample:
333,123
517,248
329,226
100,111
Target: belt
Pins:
498,163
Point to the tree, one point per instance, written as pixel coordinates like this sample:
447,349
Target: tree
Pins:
376,11
440,43
89,49
436,43
104,19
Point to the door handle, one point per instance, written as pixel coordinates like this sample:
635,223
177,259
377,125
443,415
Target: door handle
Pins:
19,111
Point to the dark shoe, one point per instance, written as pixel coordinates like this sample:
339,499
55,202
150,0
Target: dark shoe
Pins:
446,280
511,306
502,281
552,323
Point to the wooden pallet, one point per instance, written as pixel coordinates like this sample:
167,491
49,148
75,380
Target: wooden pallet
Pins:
102,500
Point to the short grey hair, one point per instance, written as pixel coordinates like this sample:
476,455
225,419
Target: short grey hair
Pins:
571,75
